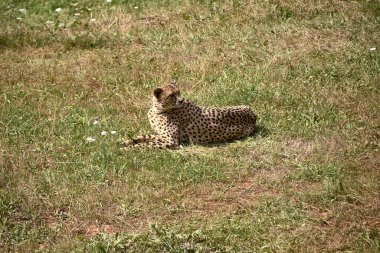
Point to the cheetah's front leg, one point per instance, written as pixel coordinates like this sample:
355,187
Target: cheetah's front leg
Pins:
153,141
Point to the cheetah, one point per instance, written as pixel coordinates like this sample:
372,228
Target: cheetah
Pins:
176,121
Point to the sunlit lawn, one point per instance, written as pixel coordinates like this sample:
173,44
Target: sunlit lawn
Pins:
77,77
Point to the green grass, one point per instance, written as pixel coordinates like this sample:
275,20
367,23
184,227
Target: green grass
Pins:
307,181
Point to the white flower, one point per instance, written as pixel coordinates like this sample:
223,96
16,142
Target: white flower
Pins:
18,18
103,133
77,14
92,20
136,7
49,23
108,1
96,122
90,139
22,10
58,10
113,132
372,49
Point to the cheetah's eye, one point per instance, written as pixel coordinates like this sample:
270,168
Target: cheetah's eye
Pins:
170,97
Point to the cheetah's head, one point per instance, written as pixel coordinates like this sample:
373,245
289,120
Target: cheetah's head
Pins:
167,97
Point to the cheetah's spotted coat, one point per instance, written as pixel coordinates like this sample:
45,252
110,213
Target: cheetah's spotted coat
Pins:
176,121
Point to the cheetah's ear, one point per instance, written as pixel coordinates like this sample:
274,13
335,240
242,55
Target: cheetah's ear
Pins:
158,92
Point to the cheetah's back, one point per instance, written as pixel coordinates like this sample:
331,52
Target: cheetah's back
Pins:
220,124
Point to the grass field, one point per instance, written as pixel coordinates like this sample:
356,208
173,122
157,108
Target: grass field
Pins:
307,181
